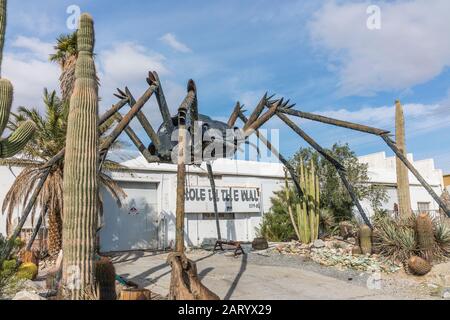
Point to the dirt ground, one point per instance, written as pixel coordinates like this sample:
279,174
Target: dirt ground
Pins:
262,277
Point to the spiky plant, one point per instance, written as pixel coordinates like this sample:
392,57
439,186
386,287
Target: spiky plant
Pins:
14,143
80,170
49,139
395,238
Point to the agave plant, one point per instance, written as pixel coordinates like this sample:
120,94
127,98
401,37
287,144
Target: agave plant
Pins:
48,140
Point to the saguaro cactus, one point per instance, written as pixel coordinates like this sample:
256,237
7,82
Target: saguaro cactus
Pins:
80,171
19,138
404,197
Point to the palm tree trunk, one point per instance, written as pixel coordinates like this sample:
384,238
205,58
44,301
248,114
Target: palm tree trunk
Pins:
54,232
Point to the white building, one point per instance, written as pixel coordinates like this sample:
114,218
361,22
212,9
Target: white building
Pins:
147,219
382,171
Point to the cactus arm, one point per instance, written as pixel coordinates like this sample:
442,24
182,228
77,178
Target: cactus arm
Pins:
3,5
17,140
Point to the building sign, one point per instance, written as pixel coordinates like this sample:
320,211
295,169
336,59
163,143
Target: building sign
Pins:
233,199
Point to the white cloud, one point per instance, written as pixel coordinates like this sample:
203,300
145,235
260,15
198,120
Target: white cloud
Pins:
39,49
30,71
171,40
419,118
128,63
412,46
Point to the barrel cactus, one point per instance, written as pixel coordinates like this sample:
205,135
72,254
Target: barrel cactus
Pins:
80,171
13,144
425,235
419,266
365,239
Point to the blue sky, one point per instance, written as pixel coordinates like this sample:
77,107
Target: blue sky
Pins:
319,54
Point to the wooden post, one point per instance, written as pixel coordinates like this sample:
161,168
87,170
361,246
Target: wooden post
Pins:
181,172
403,193
135,294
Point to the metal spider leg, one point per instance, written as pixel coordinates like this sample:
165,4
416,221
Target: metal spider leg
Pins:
143,121
384,134
136,141
339,167
214,195
235,114
125,122
416,173
276,153
153,79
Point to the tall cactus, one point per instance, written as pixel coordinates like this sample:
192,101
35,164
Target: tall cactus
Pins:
80,171
19,138
404,197
307,210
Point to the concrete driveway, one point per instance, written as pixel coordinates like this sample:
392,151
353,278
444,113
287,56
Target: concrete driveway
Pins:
237,279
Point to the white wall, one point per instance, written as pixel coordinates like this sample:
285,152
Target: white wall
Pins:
382,171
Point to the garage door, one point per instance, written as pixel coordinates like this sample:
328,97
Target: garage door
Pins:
135,225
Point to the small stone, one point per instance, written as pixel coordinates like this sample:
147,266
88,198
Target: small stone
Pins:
26,295
319,243
446,293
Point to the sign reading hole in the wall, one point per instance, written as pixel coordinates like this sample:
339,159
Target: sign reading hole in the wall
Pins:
233,199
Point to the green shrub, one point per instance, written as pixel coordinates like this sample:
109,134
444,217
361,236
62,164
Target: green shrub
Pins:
397,238
27,271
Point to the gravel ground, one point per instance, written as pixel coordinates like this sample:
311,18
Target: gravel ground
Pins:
432,286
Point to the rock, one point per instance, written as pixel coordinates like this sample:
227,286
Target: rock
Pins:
27,295
446,293
352,240
319,243
260,244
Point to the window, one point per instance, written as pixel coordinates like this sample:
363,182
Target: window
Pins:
423,206
222,216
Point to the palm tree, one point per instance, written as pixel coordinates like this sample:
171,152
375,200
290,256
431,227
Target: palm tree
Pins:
49,139
66,54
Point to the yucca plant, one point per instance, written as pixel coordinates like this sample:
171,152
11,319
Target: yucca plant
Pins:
399,240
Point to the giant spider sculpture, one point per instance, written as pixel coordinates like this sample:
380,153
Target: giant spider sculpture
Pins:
228,137
223,143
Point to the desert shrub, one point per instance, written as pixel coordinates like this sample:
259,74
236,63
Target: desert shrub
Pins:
276,227
27,271
397,238
442,236
8,269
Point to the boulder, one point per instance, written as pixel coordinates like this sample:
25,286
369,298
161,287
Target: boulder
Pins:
27,295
